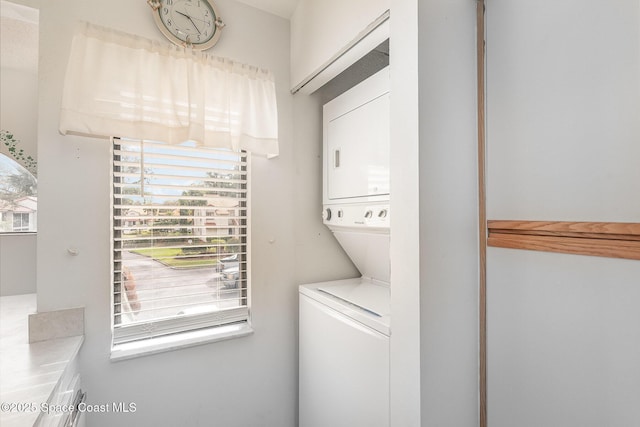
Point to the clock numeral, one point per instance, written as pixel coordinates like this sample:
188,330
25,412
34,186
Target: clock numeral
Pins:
169,23
165,10
169,2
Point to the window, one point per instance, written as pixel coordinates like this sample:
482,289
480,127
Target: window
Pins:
18,197
180,225
20,221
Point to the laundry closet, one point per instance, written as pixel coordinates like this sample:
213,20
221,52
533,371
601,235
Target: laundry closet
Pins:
345,325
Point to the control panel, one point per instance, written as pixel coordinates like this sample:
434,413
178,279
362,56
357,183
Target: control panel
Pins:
357,215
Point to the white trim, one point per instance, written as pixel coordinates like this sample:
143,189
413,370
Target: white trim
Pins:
186,339
375,33
151,329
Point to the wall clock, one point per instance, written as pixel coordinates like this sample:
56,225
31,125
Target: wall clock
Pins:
189,23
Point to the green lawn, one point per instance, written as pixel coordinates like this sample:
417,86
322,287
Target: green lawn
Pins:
167,256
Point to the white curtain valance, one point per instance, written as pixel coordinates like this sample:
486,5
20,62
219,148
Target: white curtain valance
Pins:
123,85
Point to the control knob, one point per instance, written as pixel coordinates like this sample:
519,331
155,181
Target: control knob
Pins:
326,214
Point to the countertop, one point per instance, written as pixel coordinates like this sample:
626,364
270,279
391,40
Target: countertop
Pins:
28,372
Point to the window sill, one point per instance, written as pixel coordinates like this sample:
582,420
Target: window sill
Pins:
172,342
18,233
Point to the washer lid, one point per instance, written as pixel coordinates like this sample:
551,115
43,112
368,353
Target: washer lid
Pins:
361,299
366,295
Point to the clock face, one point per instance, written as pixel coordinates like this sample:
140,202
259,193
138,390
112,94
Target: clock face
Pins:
193,23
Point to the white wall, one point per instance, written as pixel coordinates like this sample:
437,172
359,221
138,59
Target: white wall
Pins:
17,264
448,213
19,74
19,94
241,382
564,110
19,114
405,219
434,256
563,144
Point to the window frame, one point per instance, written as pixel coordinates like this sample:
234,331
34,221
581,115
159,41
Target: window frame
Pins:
24,225
178,331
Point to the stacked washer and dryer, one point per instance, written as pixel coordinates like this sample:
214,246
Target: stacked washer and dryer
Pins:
345,324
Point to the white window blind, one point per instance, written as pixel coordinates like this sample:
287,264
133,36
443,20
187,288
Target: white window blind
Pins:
180,224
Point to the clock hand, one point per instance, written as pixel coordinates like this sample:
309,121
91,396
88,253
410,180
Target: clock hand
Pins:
188,17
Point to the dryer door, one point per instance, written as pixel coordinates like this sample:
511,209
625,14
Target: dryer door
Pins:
358,151
355,128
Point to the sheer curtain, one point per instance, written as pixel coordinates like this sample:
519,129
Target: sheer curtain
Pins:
123,85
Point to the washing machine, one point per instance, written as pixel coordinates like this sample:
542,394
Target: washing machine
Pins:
344,354
345,325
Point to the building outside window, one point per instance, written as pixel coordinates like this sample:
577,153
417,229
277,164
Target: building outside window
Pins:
18,198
